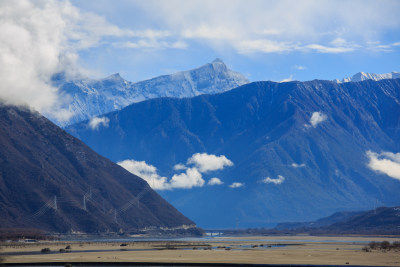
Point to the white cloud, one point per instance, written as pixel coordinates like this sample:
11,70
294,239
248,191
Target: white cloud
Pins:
147,172
305,26
191,178
264,46
151,44
299,67
295,165
385,162
276,181
317,118
179,167
207,162
38,39
96,122
209,32
329,50
287,79
236,185
215,181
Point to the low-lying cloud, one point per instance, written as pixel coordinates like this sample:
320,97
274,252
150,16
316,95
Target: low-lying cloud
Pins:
39,39
317,118
96,122
192,176
208,162
276,181
145,171
386,162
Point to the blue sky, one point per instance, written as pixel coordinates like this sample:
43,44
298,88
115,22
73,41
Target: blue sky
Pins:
262,39
265,40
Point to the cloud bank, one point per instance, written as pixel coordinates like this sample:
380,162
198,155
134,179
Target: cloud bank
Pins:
277,26
39,39
96,122
191,177
276,181
386,162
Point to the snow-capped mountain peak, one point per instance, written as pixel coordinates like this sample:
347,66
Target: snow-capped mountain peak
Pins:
362,76
91,97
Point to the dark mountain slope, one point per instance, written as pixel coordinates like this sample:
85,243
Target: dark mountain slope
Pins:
320,223
52,181
383,220
265,129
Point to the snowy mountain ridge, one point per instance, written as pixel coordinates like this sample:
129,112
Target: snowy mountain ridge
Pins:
362,76
90,98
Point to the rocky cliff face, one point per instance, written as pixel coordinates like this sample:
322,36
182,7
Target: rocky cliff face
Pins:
52,181
91,98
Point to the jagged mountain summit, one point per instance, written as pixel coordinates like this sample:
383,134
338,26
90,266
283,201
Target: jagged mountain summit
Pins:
362,76
91,98
52,181
299,150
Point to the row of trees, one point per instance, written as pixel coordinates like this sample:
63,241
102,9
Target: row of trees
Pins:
384,245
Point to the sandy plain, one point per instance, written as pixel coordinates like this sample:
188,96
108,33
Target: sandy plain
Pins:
288,250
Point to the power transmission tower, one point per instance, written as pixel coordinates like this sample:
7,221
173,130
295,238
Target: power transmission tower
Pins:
84,202
55,203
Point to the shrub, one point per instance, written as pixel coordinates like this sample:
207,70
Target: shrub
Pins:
45,250
366,249
373,245
396,244
385,245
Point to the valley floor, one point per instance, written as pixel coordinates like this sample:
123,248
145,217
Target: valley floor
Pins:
290,250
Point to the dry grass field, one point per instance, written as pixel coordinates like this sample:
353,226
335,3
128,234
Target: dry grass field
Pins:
304,250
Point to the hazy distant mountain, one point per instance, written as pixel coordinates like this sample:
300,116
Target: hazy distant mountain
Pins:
383,220
362,76
94,97
337,217
52,181
300,149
